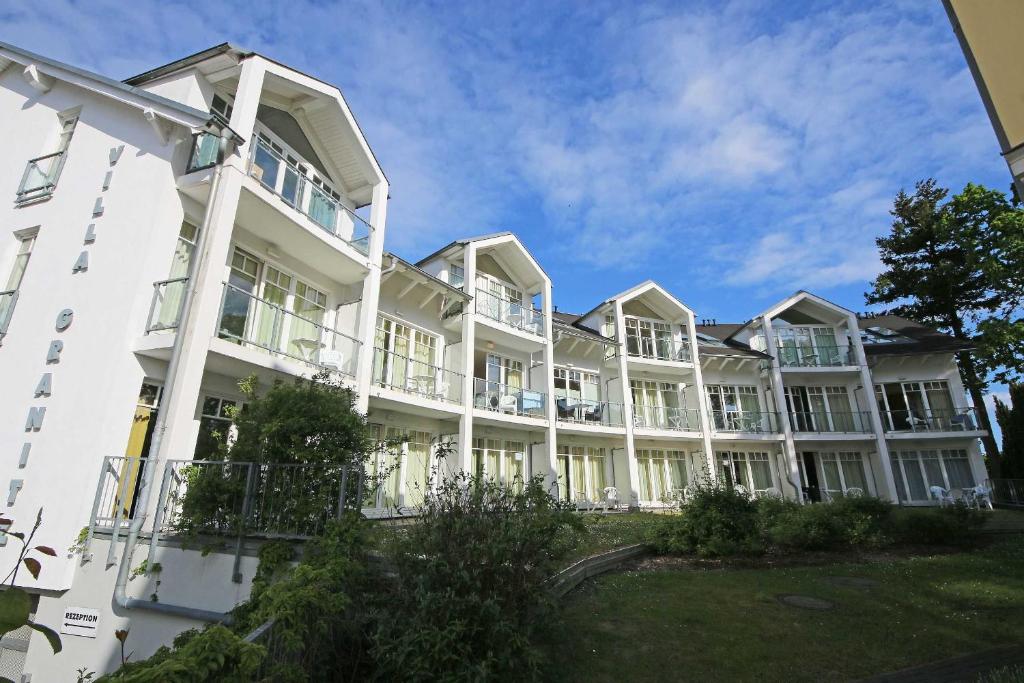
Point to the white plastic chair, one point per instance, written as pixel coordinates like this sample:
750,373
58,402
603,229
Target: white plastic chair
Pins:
942,495
441,391
772,492
741,489
332,358
611,497
855,492
508,404
983,497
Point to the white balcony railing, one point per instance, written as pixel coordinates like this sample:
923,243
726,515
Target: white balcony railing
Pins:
831,421
658,349
745,421
512,313
307,195
502,398
401,373
251,321
955,420
666,417
40,177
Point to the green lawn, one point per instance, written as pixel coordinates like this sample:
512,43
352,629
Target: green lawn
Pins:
607,532
728,625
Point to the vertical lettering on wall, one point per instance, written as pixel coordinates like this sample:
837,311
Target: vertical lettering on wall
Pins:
45,384
34,421
90,234
53,355
82,264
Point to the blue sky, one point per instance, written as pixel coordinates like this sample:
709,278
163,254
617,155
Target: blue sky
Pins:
734,152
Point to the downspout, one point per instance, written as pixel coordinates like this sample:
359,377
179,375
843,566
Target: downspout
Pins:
121,597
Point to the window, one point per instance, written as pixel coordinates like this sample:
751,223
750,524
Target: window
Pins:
810,347
220,105
608,326
736,408
456,275
823,409
656,405
9,294
170,294
650,339
751,470
583,473
502,461
920,406
400,473
839,472
215,428
663,474
41,174
405,357
917,471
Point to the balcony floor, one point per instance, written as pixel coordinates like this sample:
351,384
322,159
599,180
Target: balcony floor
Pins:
413,404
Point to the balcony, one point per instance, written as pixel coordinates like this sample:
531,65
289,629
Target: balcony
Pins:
411,376
40,177
204,152
917,421
858,422
583,411
165,309
307,195
506,311
8,300
253,322
509,400
666,418
745,421
791,356
659,349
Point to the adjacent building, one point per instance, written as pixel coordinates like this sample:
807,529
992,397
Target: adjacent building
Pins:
223,216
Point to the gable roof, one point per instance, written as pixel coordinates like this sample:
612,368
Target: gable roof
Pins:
570,321
461,243
181,113
723,332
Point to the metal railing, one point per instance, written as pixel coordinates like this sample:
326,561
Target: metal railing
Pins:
251,321
298,190
589,412
746,421
791,356
401,373
513,313
831,422
204,152
503,398
1007,491
165,308
113,506
8,300
955,420
666,417
40,176
659,349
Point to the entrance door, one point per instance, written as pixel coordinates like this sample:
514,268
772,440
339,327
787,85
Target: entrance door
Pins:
812,487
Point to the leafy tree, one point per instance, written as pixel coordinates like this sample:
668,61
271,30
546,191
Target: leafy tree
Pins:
957,265
1011,422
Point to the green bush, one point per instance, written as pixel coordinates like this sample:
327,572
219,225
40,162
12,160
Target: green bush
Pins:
213,654
953,525
470,601
846,522
715,522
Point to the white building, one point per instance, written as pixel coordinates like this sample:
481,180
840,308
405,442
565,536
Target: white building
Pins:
223,216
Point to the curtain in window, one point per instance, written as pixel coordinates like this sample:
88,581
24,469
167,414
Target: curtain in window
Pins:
390,462
491,470
597,480
818,409
579,475
917,490
843,419
677,472
174,292
827,349
788,354
959,470
853,472
563,477
901,486
830,470
645,476
238,297
271,316
513,458
306,331
932,469
417,468
941,404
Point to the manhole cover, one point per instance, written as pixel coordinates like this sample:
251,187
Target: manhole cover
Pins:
805,602
850,582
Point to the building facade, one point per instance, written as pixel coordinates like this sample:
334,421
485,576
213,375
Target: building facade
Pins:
223,216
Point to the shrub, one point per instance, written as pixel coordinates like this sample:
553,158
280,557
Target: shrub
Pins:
953,525
847,522
470,600
715,522
213,654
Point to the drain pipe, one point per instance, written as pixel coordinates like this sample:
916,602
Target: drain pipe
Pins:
121,597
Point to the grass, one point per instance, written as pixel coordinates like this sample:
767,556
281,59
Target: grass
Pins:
728,625
607,532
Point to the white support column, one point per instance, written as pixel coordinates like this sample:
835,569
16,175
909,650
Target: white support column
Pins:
779,394
702,403
876,419
549,387
210,272
371,296
465,454
627,401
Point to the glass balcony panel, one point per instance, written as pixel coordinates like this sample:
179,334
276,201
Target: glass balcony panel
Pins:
205,147
395,371
504,398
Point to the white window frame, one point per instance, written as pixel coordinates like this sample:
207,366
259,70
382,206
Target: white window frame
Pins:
586,453
903,457
666,456
26,244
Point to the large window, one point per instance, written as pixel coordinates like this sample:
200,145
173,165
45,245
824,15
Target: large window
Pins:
656,405
823,409
841,472
406,358
663,474
650,339
916,471
735,408
919,406
583,474
500,460
401,467
810,346
9,294
750,469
